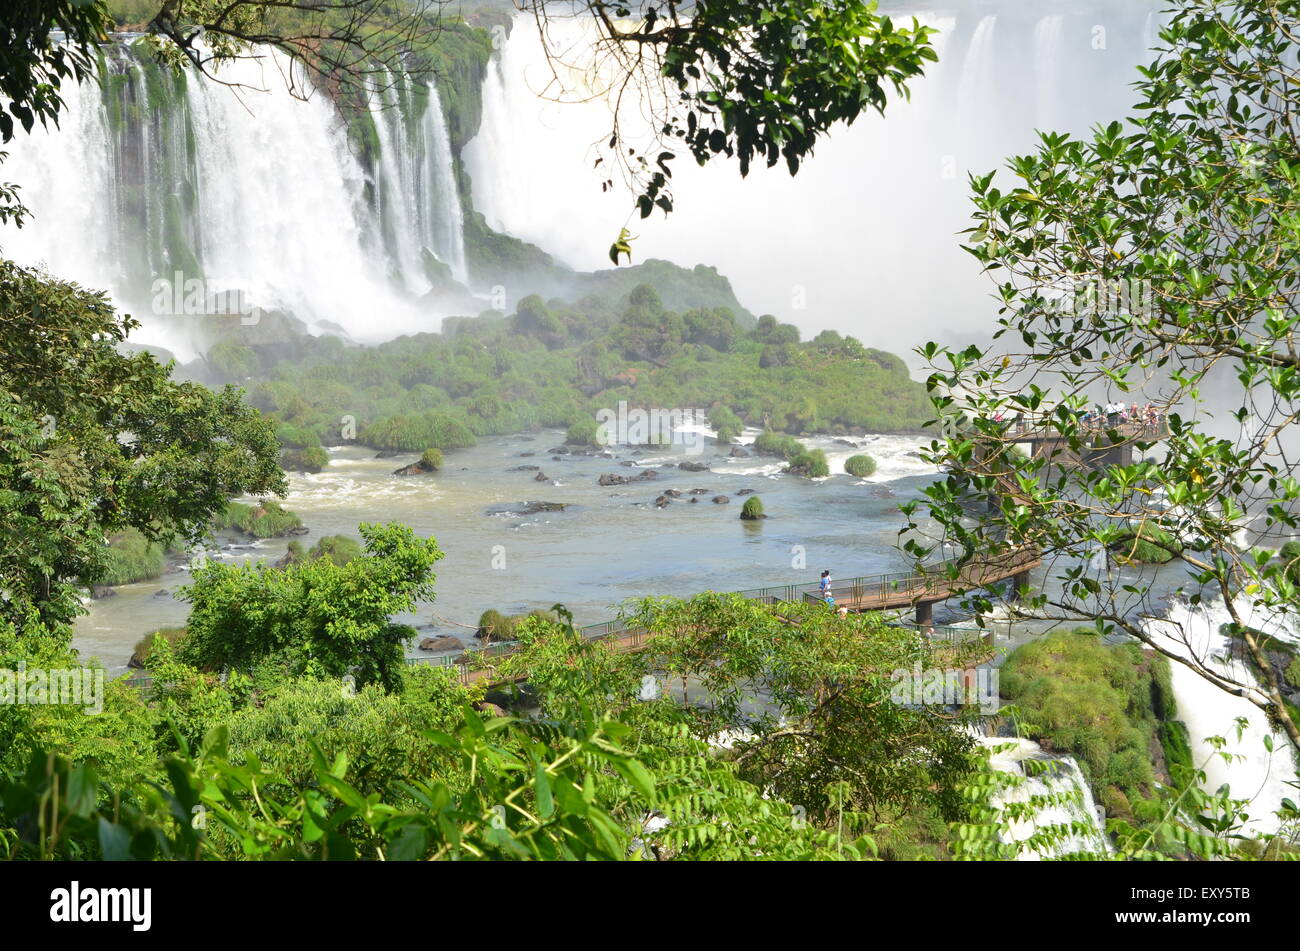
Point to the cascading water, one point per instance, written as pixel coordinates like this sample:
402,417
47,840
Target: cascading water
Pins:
1047,803
1254,773
245,187
1047,58
419,204
978,75
866,238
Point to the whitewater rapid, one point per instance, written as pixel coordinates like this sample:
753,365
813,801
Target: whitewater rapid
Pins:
1253,772
246,187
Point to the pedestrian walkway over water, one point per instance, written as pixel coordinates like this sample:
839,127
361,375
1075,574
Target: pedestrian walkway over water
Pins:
919,590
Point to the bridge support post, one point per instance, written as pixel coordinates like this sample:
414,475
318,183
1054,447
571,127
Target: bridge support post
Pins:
1017,582
924,612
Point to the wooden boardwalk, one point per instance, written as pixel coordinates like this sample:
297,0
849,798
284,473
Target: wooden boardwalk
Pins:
919,590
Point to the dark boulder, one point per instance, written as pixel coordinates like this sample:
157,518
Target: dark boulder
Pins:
720,500
414,469
528,508
444,643
612,478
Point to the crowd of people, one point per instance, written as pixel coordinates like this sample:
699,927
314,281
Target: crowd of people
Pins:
1101,417
1114,415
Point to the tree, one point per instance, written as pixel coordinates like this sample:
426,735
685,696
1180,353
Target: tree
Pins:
94,441
749,80
319,617
32,64
1154,261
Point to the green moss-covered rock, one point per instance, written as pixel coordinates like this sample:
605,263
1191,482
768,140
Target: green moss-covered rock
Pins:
861,465
1144,544
131,558
311,459
752,510
777,444
267,519
811,464
144,647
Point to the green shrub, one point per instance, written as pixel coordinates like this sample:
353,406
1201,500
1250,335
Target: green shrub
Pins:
777,444
1083,697
811,464
144,647
340,549
431,459
1293,672
1177,746
416,432
583,433
311,459
1145,545
752,509
132,558
727,424
267,519
861,465
314,618
296,437
1162,689
495,626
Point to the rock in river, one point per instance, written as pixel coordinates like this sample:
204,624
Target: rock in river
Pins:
444,643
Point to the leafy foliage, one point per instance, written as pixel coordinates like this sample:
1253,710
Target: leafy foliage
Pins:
555,365
1151,261
94,441
323,618
861,465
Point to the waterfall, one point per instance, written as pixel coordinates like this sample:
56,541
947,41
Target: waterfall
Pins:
1254,773
441,217
1047,61
1050,799
416,180
244,186
395,179
865,239
977,71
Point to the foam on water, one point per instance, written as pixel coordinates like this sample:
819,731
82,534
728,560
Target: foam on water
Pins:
1254,773
1061,793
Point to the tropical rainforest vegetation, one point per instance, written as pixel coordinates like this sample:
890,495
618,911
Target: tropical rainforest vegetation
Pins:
553,364
282,722
1190,205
